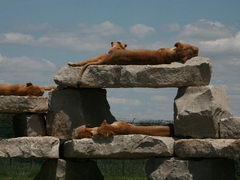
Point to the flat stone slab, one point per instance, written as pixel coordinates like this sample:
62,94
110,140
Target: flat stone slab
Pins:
121,146
23,104
30,147
208,148
195,72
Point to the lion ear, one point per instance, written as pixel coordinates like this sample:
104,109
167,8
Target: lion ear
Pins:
112,44
29,84
178,44
125,45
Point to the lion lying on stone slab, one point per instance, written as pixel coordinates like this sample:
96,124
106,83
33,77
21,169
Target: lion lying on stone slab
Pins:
181,53
27,89
120,128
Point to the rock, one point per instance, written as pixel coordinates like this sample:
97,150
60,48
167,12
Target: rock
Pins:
121,146
195,72
23,104
52,169
29,147
198,110
59,169
29,125
71,108
230,128
208,148
191,169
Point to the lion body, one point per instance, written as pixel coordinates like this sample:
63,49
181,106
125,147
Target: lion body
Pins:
119,56
27,89
120,128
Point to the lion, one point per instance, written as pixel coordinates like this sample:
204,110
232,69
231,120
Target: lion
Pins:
181,53
120,128
116,45
27,89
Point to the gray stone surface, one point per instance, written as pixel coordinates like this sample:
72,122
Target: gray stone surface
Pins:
29,125
59,169
71,108
121,146
30,147
207,148
195,72
198,110
22,104
230,128
191,169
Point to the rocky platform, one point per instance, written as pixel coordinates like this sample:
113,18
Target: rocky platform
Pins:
195,72
23,104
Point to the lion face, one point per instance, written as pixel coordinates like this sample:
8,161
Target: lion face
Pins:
33,90
185,51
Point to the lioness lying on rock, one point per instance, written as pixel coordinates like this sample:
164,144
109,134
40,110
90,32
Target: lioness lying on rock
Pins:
181,53
27,89
120,128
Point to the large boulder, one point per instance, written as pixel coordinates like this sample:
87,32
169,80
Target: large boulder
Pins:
30,147
23,104
29,125
71,108
195,72
207,148
121,146
230,128
198,111
189,169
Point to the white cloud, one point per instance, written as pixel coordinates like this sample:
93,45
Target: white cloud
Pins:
16,38
222,45
141,30
84,37
206,30
174,27
103,29
131,102
25,69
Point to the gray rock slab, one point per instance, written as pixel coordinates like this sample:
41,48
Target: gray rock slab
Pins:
208,148
198,111
30,147
121,146
71,108
29,125
230,128
23,104
195,72
189,169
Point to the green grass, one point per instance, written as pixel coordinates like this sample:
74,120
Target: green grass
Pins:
19,169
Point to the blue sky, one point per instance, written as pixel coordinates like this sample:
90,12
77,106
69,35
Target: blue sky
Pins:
39,37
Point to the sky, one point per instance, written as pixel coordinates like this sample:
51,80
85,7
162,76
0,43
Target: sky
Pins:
39,37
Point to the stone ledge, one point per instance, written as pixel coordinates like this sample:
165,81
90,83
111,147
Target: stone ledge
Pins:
30,147
122,146
195,72
208,148
23,104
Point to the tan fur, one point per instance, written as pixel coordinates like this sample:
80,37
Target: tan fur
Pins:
181,53
116,45
27,89
120,128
